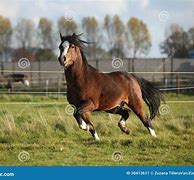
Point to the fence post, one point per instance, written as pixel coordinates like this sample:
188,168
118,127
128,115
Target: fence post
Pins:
39,73
128,64
2,68
177,84
153,78
59,85
164,74
97,65
31,74
13,67
133,65
172,69
47,84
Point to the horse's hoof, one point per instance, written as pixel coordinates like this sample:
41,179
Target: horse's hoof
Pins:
124,128
127,131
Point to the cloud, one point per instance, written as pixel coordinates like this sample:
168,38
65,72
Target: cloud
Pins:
181,12
56,8
9,8
145,3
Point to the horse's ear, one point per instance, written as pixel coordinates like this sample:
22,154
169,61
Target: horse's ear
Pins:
80,34
61,36
74,35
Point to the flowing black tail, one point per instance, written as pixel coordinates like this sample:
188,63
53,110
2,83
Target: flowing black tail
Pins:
151,95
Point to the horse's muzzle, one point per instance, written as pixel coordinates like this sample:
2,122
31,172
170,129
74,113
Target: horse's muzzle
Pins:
66,65
61,62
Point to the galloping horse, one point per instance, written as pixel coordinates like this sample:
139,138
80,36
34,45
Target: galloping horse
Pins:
89,90
11,78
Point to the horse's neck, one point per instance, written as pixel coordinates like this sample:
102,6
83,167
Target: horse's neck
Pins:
77,72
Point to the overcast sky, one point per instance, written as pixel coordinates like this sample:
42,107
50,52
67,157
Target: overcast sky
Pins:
157,14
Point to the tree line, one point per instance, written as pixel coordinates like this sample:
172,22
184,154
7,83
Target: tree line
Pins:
113,38
178,42
110,38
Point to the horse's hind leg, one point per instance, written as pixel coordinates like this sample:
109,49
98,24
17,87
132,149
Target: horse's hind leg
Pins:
138,109
124,112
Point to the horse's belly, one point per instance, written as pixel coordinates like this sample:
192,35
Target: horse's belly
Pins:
106,104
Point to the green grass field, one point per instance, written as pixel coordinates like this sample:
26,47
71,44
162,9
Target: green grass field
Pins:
40,130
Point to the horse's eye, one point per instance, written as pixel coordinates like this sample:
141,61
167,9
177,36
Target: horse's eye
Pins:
61,47
72,46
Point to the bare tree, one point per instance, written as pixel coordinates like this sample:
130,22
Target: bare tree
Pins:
115,31
107,25
177,42
173,28
140,38
66,27
5,37
45,33
191,39
91,28
24,32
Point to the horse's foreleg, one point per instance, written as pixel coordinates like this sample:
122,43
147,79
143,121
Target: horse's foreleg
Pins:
86,117
82,124
82,117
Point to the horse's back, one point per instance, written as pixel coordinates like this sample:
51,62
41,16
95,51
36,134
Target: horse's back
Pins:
121,78
115,89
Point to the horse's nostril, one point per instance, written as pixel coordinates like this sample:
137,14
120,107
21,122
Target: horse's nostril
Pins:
64,58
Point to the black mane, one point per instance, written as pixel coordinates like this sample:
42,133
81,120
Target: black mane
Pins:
75,39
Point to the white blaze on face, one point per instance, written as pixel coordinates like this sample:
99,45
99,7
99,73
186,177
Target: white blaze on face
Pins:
65,49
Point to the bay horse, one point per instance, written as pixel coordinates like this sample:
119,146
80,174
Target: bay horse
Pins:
11,78
90,90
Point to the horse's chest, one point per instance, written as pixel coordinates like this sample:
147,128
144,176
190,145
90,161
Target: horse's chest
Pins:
75,96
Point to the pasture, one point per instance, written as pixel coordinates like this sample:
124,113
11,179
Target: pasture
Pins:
40,130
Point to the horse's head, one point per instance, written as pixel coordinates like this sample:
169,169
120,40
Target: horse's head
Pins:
69,49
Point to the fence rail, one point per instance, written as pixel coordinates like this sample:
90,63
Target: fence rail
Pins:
168,81
48,77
